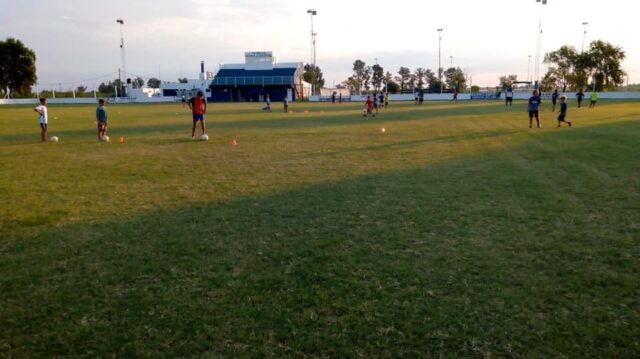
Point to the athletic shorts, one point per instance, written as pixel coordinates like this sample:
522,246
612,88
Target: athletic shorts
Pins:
553,101
197,117
561,117
533,114
43,125
593,102
509,99
102,124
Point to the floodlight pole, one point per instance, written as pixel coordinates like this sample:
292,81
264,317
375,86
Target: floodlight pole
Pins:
312,13
539,45
124,68
440,59
584,35
529,71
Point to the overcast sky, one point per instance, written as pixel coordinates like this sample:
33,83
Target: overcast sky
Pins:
77,41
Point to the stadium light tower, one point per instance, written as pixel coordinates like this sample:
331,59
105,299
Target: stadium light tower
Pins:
124,68
440,58
538,45
312,13
584,35
529,71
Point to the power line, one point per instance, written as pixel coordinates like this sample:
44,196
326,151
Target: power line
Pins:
111,74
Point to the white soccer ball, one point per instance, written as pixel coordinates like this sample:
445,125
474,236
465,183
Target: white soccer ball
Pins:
204,137
105,138
54,139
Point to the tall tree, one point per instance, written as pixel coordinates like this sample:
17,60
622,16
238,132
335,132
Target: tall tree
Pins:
507,81
563,69
420,77
366,77
313,75
455,78
17,67
154,83
107,88
403,78
600,64
432,81
607,61
377,76
359,74
138,83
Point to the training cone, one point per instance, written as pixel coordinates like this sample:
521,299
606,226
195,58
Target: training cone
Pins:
234,142
121,139
306,111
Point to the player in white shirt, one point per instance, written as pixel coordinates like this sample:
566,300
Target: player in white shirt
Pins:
42,118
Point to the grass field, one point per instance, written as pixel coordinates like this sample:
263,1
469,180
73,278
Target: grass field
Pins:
457,233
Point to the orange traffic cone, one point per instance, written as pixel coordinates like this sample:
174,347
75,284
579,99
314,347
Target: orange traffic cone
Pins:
234,142
121,140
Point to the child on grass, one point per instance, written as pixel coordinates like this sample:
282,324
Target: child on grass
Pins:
563,111
42,118
101,119
534,104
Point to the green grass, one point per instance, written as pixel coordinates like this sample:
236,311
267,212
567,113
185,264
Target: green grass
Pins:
457,233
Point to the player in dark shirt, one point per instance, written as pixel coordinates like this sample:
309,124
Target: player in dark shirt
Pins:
554,99
534,104
580,96
563,111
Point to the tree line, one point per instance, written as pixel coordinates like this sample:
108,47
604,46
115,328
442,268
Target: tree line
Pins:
599,68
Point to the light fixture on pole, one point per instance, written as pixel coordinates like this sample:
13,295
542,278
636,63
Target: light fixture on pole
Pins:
584,35
538,47
440,59
312,13
124,69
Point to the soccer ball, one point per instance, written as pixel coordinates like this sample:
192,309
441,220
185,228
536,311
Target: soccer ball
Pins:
383,130
104,138
54,139
204,137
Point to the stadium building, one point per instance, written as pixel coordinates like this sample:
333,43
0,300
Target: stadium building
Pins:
260,75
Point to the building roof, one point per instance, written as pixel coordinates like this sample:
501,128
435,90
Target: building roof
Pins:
236,76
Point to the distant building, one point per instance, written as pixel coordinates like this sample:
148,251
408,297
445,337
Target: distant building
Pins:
260,75
190,88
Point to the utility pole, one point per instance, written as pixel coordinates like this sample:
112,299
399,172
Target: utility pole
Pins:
440,59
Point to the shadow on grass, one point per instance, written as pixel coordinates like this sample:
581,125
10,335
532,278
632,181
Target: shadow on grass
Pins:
457,259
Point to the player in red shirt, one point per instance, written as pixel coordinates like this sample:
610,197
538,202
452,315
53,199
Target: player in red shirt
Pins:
198,106
369,104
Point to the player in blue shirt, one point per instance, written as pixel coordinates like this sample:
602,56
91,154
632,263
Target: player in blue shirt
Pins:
534,104
563,111
101,119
